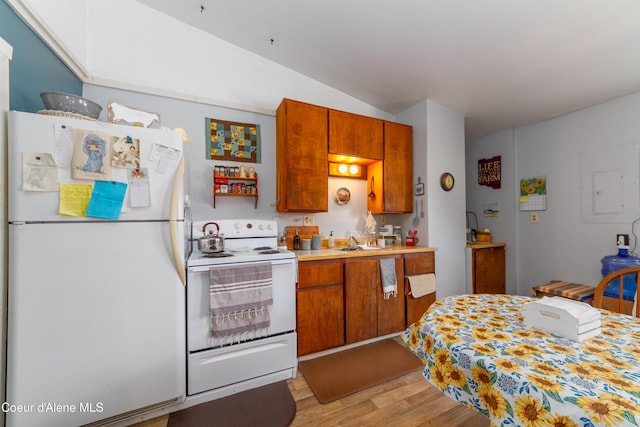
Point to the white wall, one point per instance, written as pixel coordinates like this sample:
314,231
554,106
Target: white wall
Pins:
438,148
74,37
416,116
561,246
503,226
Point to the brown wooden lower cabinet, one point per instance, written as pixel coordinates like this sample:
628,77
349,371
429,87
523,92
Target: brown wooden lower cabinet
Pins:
488,270
340,301
415,264
368,314
391,310
320,305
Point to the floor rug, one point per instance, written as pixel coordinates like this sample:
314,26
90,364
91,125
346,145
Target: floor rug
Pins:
340,374
270,405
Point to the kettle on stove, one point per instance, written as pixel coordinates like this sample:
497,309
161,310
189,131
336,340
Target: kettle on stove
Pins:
211,243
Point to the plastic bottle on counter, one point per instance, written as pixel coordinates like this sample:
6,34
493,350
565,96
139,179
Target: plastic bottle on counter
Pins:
331,243
296,242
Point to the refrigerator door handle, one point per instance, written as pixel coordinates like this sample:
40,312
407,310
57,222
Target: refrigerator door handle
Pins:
176,241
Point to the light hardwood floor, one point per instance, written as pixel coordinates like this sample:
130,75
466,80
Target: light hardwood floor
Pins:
407,401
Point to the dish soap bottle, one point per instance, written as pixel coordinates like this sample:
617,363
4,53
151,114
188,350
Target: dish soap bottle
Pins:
296,242
331,244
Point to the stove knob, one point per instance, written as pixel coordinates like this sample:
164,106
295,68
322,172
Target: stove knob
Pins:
261,227
269,226
237,225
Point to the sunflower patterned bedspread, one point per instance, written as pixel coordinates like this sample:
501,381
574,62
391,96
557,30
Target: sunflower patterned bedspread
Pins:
477,350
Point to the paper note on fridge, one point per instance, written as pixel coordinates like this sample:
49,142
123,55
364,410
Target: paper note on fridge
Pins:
139,194
165,156
106,199
74,199
39,172
63,145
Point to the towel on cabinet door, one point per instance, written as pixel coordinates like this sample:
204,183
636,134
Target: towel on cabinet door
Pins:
239,300
422,284
388,276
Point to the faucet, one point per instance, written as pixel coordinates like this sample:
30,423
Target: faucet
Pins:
351,245
475,217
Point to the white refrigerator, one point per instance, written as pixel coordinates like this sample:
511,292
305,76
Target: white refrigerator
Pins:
96,305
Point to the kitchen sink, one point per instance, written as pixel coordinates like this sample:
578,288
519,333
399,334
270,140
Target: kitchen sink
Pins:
357,248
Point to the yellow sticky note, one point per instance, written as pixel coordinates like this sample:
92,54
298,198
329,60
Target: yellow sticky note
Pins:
74,199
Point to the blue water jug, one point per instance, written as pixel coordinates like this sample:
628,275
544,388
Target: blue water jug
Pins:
611,263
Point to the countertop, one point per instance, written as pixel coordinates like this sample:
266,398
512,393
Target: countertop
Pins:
322,254
484,245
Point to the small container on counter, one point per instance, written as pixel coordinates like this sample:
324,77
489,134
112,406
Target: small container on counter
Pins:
397,231
316,241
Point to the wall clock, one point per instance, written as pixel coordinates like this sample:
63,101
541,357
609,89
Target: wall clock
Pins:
447,182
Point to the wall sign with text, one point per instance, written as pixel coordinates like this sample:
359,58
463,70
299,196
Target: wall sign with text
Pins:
489,172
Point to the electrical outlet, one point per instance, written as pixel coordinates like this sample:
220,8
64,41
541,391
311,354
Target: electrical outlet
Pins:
533,218
307,220
383,218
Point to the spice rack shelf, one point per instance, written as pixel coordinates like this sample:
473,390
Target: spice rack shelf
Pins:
232,188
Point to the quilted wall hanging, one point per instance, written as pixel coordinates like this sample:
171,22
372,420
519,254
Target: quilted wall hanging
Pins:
238,142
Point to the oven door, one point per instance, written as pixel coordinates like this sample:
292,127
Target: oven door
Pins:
283,311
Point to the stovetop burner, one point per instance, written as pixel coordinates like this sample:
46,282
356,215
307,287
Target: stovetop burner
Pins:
217,255
263,248
269,251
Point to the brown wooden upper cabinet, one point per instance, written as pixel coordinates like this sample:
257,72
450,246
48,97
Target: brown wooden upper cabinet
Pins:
308,135
355,135
392,178
301,157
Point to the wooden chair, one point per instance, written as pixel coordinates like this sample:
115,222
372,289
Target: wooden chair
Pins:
618,304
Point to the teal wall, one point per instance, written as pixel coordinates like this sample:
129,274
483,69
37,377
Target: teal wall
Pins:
34,67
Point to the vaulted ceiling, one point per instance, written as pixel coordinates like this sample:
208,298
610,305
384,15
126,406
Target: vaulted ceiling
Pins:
500,63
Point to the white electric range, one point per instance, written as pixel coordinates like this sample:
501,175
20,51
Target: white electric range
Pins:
223,366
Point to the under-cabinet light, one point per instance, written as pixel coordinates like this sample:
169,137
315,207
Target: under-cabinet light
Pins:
344,170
